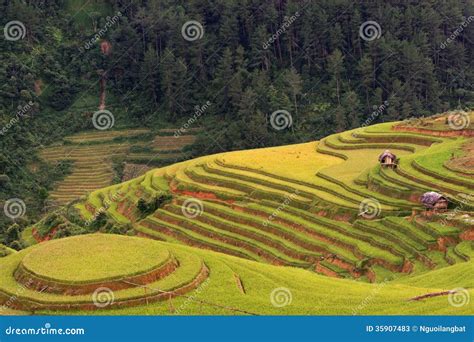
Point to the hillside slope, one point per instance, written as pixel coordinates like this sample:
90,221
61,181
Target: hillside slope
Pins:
194,281
327,207
95,154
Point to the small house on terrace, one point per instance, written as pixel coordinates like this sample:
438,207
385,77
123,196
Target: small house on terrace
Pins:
388,159
434,202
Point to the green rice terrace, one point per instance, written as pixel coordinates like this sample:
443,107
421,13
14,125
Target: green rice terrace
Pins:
94,154
323,227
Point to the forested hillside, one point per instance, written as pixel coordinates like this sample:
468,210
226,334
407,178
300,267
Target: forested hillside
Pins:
241,61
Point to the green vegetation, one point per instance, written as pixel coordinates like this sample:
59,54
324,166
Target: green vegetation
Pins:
227,84
268,209
219,294
259,209
148,207
98,257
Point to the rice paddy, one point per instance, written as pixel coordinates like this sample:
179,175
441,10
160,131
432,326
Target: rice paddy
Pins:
323,220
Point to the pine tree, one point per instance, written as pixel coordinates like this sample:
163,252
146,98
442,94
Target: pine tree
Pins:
295,84
221,83
336,69
351,105
366,70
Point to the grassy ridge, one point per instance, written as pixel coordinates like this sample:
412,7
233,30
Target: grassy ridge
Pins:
310,293
304,206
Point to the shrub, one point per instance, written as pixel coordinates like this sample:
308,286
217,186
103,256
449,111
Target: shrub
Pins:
99,222
16,245
146,207
12,234
117,228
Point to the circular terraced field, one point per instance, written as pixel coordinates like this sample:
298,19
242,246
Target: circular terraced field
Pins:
106,257
98,271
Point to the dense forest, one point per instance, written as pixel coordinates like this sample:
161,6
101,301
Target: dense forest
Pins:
227,66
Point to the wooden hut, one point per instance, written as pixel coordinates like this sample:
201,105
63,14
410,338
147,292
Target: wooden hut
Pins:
388,159
434,201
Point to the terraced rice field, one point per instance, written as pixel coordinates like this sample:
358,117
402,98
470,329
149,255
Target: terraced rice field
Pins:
300,205
115,270
92,154
130,275
92,169
322,219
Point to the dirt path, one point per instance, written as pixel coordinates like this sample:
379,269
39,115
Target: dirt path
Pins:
103,83
433,294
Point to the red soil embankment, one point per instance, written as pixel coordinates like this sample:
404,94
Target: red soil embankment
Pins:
450,133
47,237
467,235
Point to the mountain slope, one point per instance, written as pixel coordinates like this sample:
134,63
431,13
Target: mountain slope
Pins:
318,211
328,206
228,286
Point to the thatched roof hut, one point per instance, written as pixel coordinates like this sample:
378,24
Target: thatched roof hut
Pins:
387,158
386,154
434,201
